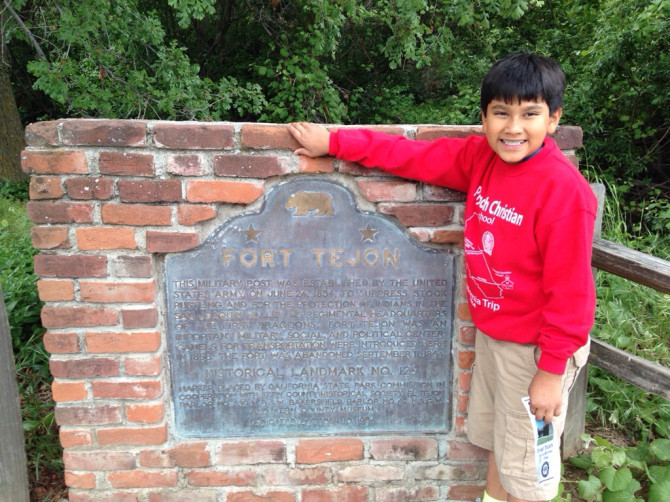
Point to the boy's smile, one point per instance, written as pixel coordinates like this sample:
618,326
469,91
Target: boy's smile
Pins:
516,130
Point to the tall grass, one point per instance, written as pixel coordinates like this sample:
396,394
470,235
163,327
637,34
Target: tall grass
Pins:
634,318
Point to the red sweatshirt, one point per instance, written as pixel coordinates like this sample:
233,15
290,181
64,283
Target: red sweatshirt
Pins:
528,233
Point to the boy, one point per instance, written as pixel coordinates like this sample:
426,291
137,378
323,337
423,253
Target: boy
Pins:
529,219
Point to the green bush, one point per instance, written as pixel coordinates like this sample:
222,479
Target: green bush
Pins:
23,312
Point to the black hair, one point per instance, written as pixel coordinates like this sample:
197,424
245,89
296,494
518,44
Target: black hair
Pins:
524,76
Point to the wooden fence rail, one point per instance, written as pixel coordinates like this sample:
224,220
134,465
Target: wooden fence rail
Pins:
649,271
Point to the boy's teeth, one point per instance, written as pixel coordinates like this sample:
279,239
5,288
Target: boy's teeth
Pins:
512,143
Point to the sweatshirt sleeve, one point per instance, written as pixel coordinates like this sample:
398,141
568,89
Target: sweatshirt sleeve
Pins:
440,162
566,246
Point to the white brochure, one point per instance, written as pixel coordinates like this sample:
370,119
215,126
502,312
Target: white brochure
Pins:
547,451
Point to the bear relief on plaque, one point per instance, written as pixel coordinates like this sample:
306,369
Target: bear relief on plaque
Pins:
309,317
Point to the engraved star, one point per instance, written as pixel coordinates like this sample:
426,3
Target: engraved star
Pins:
368,233
251,233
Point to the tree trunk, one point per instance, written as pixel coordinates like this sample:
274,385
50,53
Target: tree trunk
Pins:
11,131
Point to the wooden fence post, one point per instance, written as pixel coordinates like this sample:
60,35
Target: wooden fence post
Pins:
575,422
13,465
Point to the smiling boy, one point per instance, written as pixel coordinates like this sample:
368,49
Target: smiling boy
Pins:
529,219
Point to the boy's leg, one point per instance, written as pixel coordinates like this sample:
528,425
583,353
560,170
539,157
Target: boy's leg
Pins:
514,460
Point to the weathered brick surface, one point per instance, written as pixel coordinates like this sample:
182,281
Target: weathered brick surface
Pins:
66,317
54,162
193,136
109,197
89,188
315,451
126,164
80,132
48,213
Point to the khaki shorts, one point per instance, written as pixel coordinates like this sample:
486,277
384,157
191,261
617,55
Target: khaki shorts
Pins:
497,420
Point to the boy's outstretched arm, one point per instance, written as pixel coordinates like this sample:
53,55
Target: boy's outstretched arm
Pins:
314,139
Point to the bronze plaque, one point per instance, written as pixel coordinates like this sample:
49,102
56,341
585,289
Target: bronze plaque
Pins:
309,317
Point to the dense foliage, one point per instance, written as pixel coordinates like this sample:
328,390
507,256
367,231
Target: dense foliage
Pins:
355,62
352,61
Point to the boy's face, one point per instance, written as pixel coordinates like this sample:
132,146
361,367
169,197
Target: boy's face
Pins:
516,130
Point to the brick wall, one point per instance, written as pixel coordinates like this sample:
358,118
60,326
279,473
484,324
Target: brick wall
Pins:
108,199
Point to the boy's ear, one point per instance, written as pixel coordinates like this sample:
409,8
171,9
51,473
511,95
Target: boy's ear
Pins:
554,118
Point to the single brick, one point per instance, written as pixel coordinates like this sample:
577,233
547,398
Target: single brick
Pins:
149,190
72,438
155,458
463,400
68,391
61,343
133,266
184,495
126,164
466,335
193,136
268,136
139,318
463,312
117,292
464,381
465,359
250,166
430,133
170,242
394,191
65,317
192,214
460,450
145,413
190,455
142,366
273,496
186,165
42,133
103,132
55,290
100,497
136,214
251,452
48,213
225,478
465,492
126,389
84,368
420,215
453,237
50,237
96,238
436,193
70,266
45,187
234,192
316,165
283,476
423,494
88,415
90,188
370,473
54,162
133,436
142,478
85,481
315,451
340,494
122,342
404,449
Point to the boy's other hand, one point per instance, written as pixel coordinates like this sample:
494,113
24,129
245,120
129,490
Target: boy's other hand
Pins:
315,139
545,395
